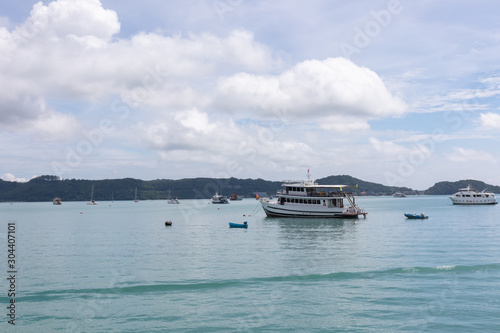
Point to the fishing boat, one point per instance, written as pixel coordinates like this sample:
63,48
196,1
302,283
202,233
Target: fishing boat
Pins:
56,201
238,225
468,196
235,197
309,199
219,199
420,216
92,201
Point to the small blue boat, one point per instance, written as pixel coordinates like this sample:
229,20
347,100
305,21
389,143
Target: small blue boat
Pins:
238,225
416,216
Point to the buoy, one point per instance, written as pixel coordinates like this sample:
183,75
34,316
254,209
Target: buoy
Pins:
244,215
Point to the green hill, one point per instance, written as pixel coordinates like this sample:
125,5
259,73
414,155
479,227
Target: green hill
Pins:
364,187
45,188
442,188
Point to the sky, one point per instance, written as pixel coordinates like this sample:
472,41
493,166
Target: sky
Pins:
402,93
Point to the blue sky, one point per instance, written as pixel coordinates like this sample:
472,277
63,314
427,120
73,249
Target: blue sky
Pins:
395,92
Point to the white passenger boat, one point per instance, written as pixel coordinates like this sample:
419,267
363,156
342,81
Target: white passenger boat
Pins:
219,199
308,199
468,196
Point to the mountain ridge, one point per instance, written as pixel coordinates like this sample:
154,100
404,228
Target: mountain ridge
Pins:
47,187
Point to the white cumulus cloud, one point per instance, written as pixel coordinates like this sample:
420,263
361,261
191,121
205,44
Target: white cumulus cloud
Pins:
313,87
490,120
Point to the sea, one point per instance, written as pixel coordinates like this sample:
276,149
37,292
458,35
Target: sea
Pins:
116,267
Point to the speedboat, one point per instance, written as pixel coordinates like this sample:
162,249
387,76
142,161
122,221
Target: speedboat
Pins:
238,225
308,199
468,196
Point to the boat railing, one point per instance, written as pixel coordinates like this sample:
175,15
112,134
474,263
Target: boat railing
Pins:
318,194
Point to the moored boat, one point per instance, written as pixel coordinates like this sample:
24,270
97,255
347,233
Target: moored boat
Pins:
238,225
309,199
92,201
399,195
171,200
136,199
56,201
235,197
468,196
219,199
420,216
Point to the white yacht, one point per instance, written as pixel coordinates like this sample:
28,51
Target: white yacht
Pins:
172,201
308,199
219,199
468,196
399,195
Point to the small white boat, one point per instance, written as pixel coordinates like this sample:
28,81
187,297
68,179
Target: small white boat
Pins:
56,201
172,201
468,196
399,195
219,199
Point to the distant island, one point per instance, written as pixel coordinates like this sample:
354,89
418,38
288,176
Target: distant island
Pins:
47,187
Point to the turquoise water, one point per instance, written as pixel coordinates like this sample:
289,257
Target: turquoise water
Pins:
116,267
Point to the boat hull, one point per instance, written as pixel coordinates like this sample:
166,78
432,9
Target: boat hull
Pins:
416,217
238,225
277,210
460,201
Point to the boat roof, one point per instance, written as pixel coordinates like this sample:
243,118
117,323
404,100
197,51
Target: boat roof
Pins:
311,184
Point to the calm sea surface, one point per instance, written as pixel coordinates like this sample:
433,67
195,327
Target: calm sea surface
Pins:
116,267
